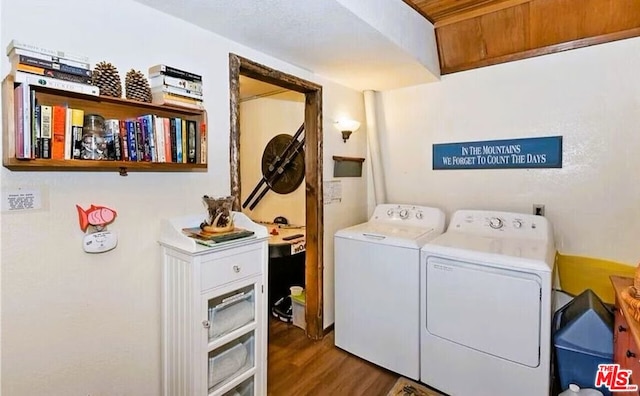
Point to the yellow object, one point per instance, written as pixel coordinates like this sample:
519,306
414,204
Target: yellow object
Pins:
578,274
300,298
77,117
298,308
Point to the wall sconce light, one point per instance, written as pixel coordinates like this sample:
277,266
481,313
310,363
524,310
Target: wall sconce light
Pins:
346,127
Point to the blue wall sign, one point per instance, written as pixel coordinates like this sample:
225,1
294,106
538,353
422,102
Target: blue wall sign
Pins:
543,152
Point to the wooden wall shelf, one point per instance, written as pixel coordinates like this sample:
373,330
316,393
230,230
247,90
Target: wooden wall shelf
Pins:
108,107
354,159
39,164
347,166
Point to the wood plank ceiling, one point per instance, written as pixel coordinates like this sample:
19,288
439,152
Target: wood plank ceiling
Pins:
477,33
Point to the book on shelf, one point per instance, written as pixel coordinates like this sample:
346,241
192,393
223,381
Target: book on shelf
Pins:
192,137
158,138
158,128
45,130
178,123
131,140
33,139
59,75
211,239
177,91
112,139
18,117
185,142
36,136
177,98
202,152
173,72
17,44
16,52
123,139
23,99
173,139
164,80
148,137
48,82
58,131
69,141
167,139
77,125
48,65
137,127
165,98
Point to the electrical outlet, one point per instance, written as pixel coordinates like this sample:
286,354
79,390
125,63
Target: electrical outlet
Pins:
538,209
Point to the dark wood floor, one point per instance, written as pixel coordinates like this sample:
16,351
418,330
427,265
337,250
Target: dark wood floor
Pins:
299,366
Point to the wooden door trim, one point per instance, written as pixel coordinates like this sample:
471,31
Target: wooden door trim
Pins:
314,266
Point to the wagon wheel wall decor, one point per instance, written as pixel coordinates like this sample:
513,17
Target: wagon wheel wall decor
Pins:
292,173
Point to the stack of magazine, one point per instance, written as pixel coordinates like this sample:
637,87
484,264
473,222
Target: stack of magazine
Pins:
212,239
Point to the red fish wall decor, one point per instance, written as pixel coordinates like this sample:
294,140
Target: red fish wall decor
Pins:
95,219
97,216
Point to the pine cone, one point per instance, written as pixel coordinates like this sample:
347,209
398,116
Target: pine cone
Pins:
137,86
105,76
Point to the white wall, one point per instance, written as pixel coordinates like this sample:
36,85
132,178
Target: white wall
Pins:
352,209
590,96
260,120
78,324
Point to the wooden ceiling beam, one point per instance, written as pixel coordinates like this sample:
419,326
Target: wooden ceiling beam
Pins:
550,49
534,28
419,10
477,11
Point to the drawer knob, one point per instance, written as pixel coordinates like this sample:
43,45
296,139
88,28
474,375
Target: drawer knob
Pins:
236,268
630,354
622,329
206,324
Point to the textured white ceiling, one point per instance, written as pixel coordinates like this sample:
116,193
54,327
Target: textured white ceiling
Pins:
322,36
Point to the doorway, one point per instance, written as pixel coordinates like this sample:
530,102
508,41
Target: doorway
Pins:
312,176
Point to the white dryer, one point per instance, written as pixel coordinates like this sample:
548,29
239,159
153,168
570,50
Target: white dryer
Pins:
486,305
377,286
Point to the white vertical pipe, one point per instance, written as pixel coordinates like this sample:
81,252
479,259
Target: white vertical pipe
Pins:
373,148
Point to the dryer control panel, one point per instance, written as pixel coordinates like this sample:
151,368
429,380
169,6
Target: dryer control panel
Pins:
409,215
506,224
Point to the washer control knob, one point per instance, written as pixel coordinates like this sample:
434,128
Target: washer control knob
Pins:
517,223
390,212
419,215
496,223
404,213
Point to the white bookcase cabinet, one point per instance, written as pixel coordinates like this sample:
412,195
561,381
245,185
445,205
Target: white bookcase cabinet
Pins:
214,314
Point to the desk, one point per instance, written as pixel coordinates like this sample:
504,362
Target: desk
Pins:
280,244
286,259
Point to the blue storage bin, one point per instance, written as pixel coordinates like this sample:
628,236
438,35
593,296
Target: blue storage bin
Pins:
583,338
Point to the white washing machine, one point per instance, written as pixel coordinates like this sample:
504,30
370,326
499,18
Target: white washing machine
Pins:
486,305
377,286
